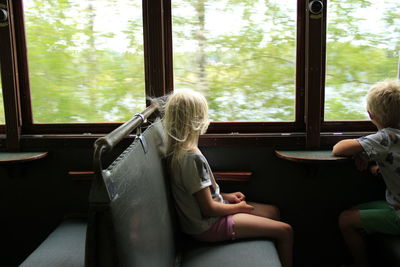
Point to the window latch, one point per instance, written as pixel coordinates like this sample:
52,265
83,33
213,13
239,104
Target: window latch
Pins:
3,15
316,7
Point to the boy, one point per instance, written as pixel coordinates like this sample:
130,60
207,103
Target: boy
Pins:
383,147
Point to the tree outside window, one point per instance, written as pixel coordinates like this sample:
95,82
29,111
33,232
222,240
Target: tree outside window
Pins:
240,54
86,60
363,44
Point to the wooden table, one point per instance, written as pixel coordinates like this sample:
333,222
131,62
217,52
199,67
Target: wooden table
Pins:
310,156
312,159
17,157
12,160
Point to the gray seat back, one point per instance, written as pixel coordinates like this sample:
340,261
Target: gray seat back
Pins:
135,226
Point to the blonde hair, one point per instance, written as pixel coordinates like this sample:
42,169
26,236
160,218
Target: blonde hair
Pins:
185,118
383,102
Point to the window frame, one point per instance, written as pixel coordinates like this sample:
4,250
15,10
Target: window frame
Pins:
158,51
156,78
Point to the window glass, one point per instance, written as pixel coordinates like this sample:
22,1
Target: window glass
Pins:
239,54
85,60
363,44
2,117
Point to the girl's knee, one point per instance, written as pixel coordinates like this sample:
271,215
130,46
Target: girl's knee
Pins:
349,219
275,212
285,231
265,210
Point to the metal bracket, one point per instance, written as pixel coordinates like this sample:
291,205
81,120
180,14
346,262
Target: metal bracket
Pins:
139,133
143,143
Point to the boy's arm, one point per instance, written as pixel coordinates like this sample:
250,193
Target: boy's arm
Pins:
211,208
347,147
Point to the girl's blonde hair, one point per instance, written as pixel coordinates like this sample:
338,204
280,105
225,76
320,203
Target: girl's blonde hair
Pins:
185,118
383,102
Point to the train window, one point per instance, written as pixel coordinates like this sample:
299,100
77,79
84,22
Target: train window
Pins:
2,118
363,39
238,53
258,62
86,60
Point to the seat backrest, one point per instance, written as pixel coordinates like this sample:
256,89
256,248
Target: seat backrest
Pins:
136,227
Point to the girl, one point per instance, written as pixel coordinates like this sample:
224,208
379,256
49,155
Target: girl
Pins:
204,212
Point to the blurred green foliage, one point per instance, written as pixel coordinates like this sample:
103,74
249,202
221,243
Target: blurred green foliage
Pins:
254,69
78,73
363,45
86,63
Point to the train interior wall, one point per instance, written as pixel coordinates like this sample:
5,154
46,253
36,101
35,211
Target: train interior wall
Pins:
36,196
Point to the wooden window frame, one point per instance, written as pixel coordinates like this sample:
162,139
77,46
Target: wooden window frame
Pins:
9,79
306,130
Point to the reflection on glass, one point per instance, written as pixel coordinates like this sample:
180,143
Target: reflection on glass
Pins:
240,54
362,48
85,60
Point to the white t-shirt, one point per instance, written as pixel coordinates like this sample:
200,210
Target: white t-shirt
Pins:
193,174
384,148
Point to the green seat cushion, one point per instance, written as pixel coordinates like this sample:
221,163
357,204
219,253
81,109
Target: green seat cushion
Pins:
243,253
65,246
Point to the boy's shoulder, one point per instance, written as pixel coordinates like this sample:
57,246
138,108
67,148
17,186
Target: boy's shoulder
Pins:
384,132
382,146
391,135
386,137
391,130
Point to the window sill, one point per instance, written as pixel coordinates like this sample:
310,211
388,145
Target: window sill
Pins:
287,141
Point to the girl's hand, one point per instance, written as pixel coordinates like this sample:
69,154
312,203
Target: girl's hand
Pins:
234,197
244,207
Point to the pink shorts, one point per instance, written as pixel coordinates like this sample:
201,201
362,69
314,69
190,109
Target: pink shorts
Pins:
221,230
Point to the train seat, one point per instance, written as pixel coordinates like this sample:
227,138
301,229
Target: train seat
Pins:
132,219
65,246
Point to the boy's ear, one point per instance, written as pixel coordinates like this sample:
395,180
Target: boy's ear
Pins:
374,120
372,117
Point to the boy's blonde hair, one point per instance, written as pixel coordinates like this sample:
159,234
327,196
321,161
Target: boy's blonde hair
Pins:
383,102
185,118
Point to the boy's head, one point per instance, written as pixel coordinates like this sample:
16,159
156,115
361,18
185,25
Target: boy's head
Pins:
383,103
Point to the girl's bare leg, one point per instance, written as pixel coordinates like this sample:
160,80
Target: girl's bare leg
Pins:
249,225
265,210
350,225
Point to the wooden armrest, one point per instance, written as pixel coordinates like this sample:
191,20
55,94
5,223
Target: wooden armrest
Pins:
232,176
